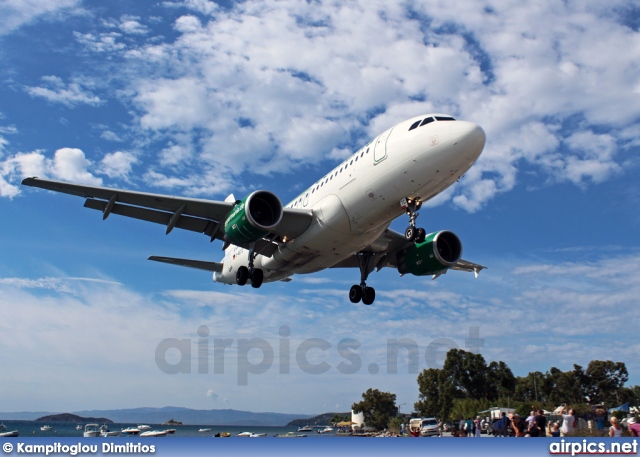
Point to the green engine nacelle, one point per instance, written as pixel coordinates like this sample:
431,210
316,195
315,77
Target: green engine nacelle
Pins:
253,217
439,251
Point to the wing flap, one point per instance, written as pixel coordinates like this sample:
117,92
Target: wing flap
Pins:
198,264
193,224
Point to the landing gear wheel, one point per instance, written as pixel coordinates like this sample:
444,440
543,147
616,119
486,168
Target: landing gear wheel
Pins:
368,295
420,235
355,294
256,278
242,276
410,233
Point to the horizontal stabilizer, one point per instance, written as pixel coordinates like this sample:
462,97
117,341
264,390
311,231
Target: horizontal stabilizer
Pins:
199,264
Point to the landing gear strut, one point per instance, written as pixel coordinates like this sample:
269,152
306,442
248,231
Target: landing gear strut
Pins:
245,274
411,207
362,292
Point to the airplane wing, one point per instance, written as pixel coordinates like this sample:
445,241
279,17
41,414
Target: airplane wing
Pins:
198,215
199,264
386,248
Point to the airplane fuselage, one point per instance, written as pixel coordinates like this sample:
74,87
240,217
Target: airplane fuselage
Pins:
356,202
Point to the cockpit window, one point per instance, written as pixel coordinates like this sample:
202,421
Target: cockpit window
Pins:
429,120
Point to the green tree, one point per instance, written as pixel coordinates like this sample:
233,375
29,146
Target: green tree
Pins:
429,398
605,380
502,382
377,407
467,373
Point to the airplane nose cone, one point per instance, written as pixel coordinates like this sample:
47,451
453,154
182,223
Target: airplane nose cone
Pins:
469,137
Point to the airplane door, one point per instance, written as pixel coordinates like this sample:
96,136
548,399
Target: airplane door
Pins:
380,148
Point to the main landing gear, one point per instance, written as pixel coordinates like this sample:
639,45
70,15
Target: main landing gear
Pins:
411,207
244,274
362,292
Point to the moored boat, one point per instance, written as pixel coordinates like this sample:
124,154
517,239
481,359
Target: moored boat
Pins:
91,431
153,433
130,431
9,434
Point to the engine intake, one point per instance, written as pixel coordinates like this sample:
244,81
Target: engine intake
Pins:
253,217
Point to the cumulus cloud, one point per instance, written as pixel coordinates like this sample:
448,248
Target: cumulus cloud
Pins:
118,164
16,13
70,95
67,164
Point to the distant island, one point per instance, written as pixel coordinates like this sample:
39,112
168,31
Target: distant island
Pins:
173,422
68,417
322,419
148,415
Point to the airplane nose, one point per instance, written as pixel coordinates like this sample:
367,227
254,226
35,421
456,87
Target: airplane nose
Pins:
469,137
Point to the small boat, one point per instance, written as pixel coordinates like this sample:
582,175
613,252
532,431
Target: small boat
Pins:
289,435
107,433
144,427
244,434
79,427
326,430
130,431
46,428
9,434
91,431
257,435
170,431
3,427
154,433
222,435
204,430
306,428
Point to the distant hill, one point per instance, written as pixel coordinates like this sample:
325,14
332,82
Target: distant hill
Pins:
67,417
322,419
185,415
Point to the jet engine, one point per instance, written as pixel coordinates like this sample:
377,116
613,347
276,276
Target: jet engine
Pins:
253,217
439,251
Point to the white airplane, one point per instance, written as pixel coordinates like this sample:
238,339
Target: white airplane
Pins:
342,220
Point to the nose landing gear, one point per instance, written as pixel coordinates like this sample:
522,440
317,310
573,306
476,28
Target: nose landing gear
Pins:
411,207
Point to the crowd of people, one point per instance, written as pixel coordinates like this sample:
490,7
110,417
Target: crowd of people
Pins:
536,425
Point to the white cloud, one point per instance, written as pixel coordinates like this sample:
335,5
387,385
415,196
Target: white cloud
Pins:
130,25
67,164
71,95
16,13
118,164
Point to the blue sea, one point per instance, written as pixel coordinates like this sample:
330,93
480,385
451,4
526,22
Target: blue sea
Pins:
68,430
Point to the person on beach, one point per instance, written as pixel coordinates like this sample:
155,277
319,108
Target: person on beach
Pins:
615,431
568,422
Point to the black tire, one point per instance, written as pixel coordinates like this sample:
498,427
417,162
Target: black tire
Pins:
256,278
410,233
420,235
355,294
368,295
242,276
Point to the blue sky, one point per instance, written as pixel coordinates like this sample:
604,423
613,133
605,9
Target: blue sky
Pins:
205,99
